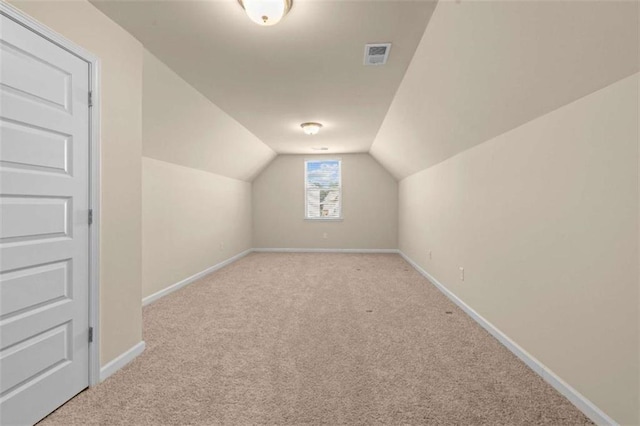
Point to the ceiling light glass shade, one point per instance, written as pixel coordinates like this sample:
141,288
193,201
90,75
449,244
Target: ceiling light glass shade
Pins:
266,12
311,128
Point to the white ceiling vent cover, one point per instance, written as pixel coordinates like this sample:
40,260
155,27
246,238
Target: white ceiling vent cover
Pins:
376,54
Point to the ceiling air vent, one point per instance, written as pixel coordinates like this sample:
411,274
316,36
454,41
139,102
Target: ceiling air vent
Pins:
376,54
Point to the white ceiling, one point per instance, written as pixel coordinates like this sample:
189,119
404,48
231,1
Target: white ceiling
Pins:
309,67
486,67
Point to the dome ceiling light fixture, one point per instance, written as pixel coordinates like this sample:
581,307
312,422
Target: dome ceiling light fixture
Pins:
311,128
266,12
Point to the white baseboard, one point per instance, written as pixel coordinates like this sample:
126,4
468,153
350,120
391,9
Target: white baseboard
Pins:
576,398
122,360
177,286
322,250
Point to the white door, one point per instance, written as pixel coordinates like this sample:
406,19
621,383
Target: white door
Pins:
44,231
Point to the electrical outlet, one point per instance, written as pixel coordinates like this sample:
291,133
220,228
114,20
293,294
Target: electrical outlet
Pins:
325,235
430,257
461,273
222,246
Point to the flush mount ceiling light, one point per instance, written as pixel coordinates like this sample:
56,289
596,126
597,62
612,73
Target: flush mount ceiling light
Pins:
311,128
266,12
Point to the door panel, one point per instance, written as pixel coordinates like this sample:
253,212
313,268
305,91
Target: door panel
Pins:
27,147
34,356
34,286
28,218
32,77
44,232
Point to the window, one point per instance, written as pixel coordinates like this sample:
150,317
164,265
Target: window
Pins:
323,189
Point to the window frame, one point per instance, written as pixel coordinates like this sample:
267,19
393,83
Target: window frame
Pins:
306,204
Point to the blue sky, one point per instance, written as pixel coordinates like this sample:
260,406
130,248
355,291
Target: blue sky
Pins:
324,173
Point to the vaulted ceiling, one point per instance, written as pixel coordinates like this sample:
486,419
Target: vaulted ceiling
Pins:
309,67
486,67
460,72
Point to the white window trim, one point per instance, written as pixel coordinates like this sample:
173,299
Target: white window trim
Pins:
306,206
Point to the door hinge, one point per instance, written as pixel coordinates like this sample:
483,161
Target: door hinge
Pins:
90,334
90,216
90,99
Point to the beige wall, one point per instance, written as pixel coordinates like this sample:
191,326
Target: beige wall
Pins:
370,208
191,220
544,219
181,126
196,212
486,67
121,145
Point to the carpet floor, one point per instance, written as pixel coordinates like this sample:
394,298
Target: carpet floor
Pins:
301,338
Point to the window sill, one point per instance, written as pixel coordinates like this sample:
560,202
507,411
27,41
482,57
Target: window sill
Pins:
323,219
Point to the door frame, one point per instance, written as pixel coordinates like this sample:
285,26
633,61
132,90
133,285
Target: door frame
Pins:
93,61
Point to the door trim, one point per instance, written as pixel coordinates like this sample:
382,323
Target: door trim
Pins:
28,22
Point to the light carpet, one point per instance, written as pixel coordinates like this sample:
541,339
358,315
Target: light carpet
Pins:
308,338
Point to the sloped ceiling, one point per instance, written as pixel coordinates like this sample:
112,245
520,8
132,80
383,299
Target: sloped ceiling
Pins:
485,67
181,126
309,67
